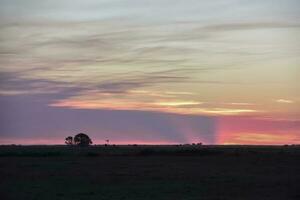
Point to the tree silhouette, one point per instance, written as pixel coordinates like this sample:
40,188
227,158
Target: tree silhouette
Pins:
69,140
82,139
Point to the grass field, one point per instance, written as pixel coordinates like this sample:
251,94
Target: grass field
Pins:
150,172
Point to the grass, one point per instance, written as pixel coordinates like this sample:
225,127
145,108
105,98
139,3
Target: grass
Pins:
150,172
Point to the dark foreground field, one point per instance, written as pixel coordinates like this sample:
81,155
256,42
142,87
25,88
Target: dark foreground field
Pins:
150,172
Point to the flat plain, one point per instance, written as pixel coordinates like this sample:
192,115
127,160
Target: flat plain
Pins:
128,172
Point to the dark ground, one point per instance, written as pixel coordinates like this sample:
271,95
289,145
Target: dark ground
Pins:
150,172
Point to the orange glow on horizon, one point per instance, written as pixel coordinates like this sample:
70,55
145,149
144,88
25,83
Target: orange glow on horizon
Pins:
257,131
260,138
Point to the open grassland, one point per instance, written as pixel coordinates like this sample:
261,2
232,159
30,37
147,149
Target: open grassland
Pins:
150,172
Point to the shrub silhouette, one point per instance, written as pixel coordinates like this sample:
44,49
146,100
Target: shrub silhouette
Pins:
82,139
69,140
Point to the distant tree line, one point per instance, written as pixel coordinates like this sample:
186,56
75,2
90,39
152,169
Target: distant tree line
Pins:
82,139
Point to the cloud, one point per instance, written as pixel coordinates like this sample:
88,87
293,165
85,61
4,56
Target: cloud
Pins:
12,83
230,111
101,64
249,26
121,91
116,91
112,83
178,103
112,44
284,101
127,102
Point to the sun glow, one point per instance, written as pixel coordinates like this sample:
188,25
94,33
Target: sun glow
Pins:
261,138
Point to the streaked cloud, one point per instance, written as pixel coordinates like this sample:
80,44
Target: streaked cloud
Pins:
250,26
239,104
178,103
226,111
126,103
284,101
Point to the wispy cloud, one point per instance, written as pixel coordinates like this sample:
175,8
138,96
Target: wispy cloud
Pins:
286,101
178,103
250,26
126,102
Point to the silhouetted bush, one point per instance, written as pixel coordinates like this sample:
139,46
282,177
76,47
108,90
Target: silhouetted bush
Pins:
82,139
69,140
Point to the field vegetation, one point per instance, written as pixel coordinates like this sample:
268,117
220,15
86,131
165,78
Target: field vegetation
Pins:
150,172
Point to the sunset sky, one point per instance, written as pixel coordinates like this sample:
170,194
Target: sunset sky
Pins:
150,71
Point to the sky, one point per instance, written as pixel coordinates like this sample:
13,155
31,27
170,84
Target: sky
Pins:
150,71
